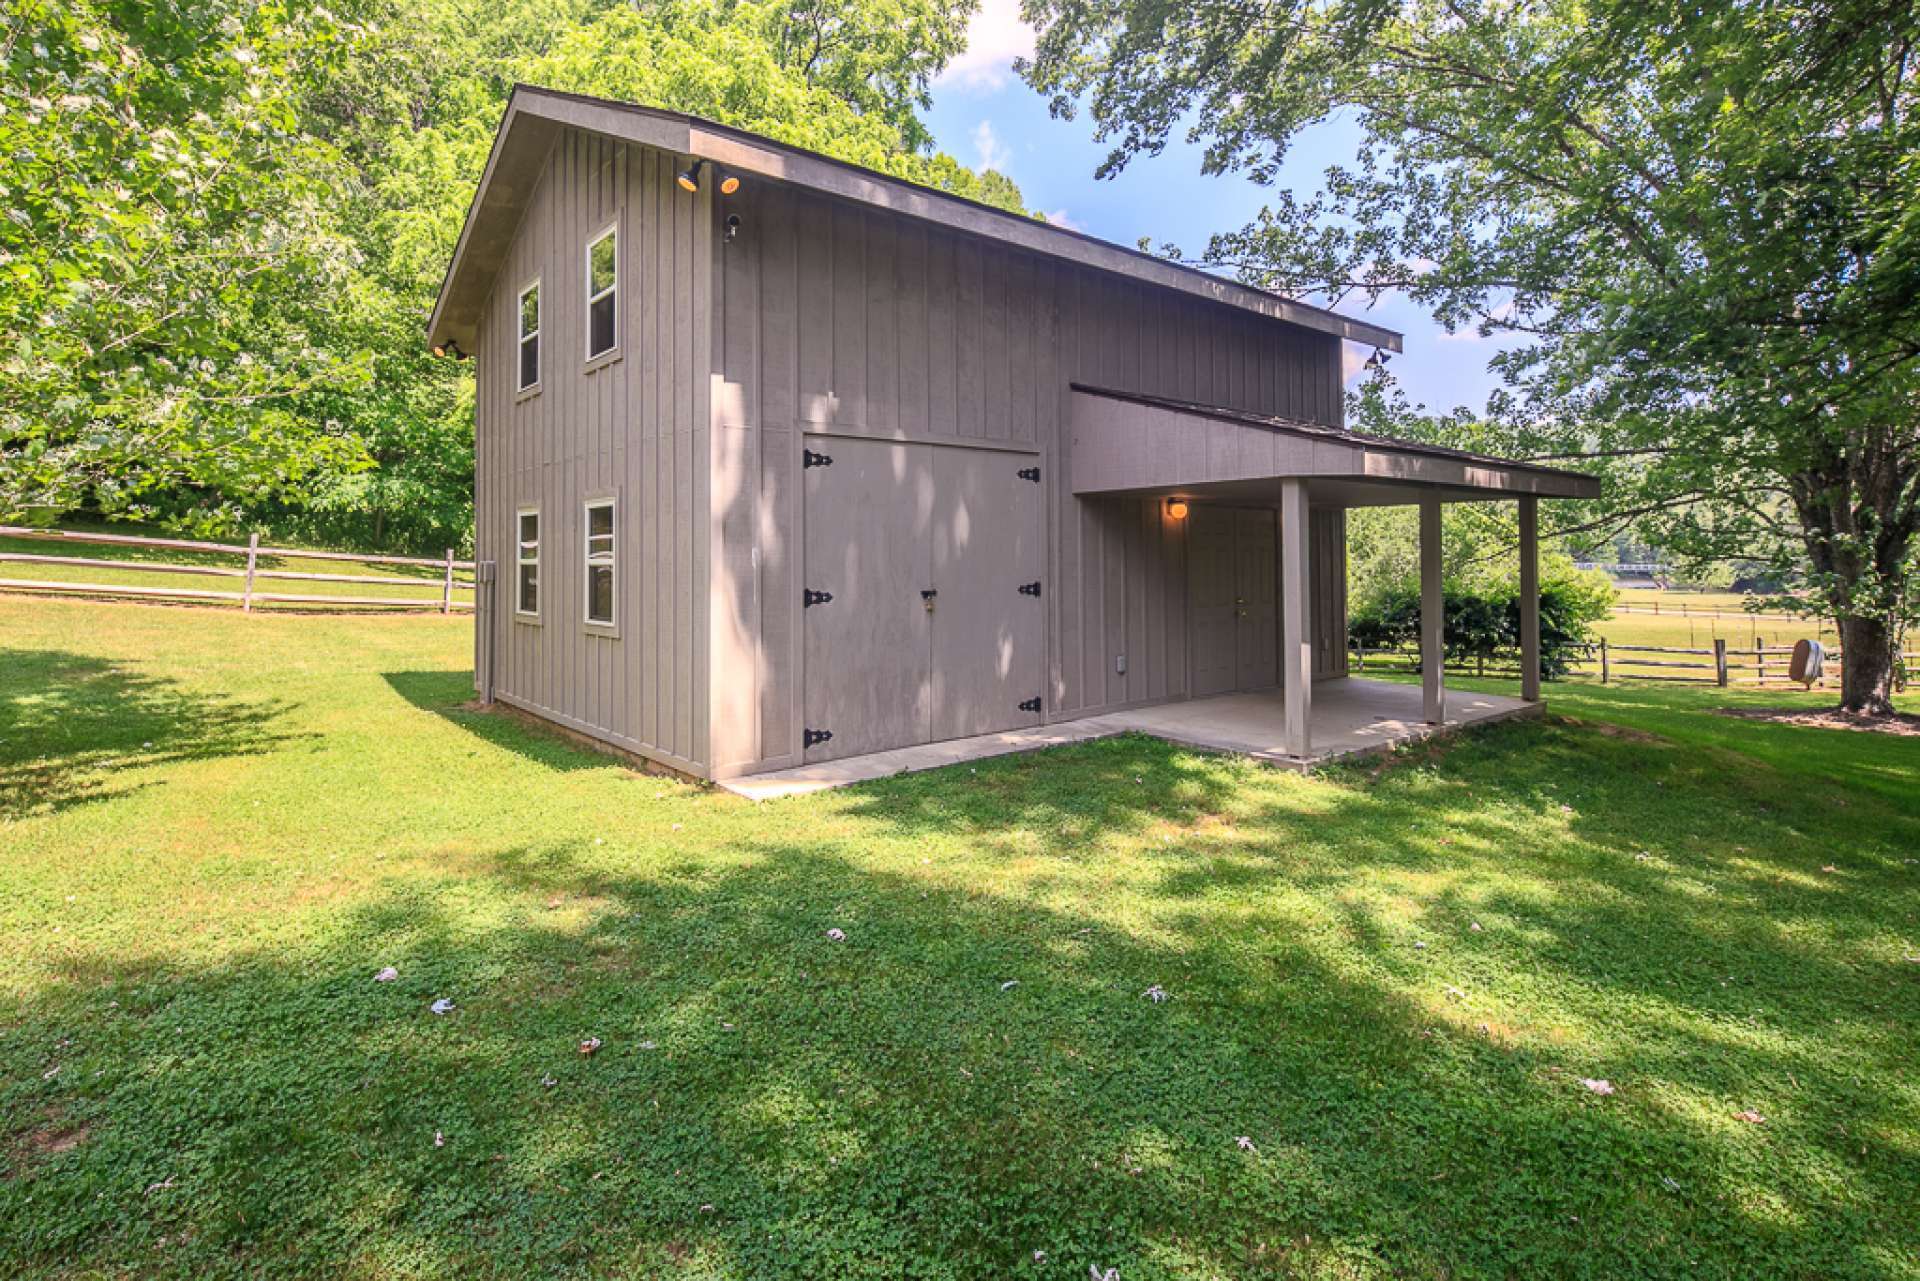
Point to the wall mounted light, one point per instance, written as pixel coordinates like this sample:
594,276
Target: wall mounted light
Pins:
1177,508
1379,358
689,179
729,183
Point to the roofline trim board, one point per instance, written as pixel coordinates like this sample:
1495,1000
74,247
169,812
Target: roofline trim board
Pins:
1334,452
736,149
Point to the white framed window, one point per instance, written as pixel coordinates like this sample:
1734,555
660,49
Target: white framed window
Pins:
603,292
601,568
530,336
526,557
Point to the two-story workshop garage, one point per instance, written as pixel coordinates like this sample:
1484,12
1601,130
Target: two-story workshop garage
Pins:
781,461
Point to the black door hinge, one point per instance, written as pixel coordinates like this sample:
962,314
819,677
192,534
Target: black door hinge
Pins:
1030,473
815,737
1030,705
809,597
1030,589
810,459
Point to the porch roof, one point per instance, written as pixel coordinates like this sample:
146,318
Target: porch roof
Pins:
1125,443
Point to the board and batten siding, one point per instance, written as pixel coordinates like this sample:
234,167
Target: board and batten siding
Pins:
635,428
831,318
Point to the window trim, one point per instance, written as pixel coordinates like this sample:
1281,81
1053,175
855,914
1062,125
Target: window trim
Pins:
612,228
611,624
520,561
520,342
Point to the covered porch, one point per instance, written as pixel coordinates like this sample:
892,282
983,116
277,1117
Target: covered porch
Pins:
1191,457
1348,715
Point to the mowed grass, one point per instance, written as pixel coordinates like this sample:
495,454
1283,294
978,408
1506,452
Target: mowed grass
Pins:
1384,989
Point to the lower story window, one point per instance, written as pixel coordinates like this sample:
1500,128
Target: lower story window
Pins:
600,562
527,562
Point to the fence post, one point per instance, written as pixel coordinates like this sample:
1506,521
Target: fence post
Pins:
1720,660
1603,660
446,587
1759,660
253,555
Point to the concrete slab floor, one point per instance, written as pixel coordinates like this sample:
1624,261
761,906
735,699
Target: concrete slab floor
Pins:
1350,715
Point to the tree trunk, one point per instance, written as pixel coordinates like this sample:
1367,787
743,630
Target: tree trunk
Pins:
1866,666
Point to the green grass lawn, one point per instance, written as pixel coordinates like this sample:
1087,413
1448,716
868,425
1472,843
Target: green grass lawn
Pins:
1384,988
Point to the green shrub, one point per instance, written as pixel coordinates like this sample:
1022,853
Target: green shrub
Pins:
1486,623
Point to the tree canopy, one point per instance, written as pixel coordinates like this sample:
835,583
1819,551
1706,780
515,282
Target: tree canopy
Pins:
1702,221
229,222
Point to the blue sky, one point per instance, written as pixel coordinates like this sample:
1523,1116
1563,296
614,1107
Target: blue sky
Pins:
984,115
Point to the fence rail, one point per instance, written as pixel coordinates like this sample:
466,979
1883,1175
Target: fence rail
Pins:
1721,665
250,572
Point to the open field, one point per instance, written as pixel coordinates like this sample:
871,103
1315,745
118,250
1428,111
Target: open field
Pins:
1384,990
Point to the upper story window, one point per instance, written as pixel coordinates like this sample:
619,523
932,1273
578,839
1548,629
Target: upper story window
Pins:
600,562
603,293
530,336
526,584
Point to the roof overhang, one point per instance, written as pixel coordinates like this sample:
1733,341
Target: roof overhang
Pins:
1146,445
535,116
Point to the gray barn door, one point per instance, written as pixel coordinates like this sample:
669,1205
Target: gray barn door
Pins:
987,630
1256,593
1210,599
1233,599
868,519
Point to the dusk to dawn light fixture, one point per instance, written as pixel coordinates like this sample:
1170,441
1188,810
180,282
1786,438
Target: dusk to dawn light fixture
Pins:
1177,508
689,179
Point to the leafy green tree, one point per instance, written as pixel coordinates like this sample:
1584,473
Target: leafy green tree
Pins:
1702,221
167,249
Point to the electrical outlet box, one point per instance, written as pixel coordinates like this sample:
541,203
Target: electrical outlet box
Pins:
1120,664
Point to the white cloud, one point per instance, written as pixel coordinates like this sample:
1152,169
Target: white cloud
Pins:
993,153
1059,218
995,37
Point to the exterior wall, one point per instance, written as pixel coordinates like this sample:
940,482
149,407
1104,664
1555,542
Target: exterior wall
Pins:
635,428
832,318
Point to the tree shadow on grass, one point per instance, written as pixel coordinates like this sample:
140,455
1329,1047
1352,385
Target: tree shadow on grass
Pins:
73,725
771,1103
449,694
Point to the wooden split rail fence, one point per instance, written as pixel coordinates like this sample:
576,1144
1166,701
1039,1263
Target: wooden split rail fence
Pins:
1722,664
252,571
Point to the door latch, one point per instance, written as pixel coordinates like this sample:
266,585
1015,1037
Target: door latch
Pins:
1030,705
1030,589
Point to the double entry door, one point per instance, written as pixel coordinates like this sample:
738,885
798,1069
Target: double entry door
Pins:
922,607
1233,598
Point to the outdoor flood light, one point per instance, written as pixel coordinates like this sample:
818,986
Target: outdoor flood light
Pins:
1177,508
689,179
729,184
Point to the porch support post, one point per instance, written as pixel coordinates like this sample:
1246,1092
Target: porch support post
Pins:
1530,598
1296,656
1432,612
